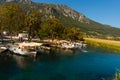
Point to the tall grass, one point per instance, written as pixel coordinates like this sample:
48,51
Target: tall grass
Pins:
117,76
108,45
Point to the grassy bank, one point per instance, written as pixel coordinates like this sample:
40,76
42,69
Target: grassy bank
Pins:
108,44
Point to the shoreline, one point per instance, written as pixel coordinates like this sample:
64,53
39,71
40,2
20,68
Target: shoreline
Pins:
47,44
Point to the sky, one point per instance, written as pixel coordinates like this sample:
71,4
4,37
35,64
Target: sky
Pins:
102,11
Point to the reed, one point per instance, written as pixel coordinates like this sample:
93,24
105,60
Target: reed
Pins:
117,75
108,44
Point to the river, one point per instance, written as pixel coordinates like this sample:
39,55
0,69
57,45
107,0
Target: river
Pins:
95,64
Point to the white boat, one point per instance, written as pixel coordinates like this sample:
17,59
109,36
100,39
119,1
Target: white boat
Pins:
3,49
25,48
73,45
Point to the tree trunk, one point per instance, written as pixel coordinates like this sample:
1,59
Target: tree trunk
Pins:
1,37
11,36
29,35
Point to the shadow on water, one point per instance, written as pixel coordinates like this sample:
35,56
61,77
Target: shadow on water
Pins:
56,54
7,66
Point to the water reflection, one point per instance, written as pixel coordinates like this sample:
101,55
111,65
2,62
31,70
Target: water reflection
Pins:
51,64
23,62
5,61
58,51
20,60
57,54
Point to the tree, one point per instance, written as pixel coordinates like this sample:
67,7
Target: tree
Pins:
11,17
72,33
32,21
1,30
54,27
44,32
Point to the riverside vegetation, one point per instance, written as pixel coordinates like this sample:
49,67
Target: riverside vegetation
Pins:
117,76
108,44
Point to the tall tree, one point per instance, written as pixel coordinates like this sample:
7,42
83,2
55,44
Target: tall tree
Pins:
11,17
1,30
55,27
72,33
32,21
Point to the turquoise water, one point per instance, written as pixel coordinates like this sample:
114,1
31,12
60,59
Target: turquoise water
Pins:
61,65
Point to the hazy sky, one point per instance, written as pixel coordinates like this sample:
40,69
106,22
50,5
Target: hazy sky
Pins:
103,11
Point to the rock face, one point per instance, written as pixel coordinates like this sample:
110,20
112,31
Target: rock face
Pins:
63,10
50,10
19,1
10,0
73,14
68,12
24,1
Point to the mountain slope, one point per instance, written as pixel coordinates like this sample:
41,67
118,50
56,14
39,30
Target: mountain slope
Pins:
17,1
68,17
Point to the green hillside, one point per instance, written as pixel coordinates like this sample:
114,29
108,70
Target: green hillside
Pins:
71,18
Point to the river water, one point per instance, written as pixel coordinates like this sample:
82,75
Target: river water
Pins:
95,64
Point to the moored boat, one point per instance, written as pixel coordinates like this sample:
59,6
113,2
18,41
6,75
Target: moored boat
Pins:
73,45
25,48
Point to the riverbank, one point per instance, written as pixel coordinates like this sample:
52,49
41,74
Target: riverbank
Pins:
108,44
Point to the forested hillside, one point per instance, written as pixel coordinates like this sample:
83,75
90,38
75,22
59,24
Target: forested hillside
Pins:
68,18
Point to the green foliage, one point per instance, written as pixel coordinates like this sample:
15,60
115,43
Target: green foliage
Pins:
53,28
32,21
11,17
15,19
44,32
72,33
117,76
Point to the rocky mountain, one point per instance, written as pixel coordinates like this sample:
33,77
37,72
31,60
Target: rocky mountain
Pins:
50,9
17,1
68,17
